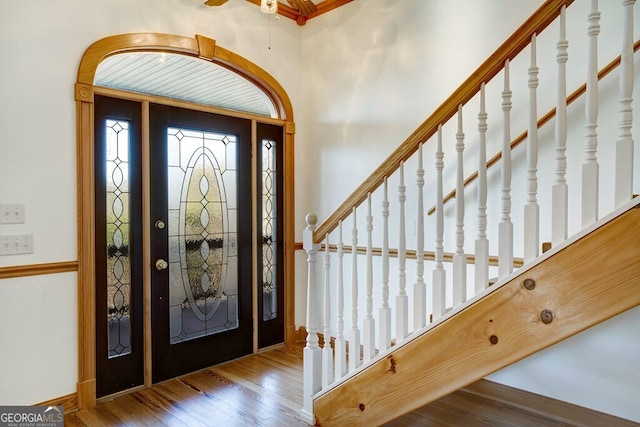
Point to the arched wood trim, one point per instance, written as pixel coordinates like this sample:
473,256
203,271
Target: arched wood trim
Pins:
199,47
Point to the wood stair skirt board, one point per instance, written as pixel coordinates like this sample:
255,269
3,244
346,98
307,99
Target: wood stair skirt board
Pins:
505,326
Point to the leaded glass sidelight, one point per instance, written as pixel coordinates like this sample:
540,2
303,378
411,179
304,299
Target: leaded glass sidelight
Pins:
269,240
117,223
202,233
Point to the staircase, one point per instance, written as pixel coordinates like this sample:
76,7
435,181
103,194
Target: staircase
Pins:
428,339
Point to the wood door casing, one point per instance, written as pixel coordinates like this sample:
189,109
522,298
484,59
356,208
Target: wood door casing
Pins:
84,92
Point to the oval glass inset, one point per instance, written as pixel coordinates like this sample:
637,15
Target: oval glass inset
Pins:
117,207
117,238
117,177
202,164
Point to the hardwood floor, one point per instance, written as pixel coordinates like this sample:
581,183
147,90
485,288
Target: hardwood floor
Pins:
465,409
266,390
260,390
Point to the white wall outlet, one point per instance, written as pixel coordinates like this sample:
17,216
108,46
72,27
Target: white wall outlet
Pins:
12,214
16,245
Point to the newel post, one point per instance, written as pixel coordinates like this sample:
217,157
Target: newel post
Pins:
312,363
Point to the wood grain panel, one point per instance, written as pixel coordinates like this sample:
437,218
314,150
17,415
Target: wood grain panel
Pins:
146,245
551,409
38,269
265,389
579,286
69,402
304,7
327,6
320,8
289,233
86,386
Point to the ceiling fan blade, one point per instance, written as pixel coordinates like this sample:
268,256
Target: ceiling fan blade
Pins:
215,2
304,7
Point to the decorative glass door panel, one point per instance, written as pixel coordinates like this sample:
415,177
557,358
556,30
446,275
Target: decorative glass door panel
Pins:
201,239
271,254
117,236
118,243
269,230
202,231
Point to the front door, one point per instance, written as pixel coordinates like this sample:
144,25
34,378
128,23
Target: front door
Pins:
201,272
214,240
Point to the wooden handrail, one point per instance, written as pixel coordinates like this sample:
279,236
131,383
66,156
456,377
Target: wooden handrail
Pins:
543,120
520,39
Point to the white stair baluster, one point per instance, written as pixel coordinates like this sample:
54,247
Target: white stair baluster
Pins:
459,257
354,342
439,273
327,353
419,288
590,168
402,301
505,229
385,310
482,244
560,192
339,344
531,209
624,147
369,328
312,370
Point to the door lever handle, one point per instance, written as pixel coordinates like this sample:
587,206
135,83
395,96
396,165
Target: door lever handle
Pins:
161,264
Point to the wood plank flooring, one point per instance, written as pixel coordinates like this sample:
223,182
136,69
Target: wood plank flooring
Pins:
266,390
260,390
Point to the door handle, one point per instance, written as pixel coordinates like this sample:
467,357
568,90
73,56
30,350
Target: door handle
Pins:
161,264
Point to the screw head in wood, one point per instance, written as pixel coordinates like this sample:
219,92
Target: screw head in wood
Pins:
529,284
546,316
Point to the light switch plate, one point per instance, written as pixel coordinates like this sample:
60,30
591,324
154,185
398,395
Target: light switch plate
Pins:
16,245
12,214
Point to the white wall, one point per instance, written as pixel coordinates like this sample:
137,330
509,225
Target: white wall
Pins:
42,44
38,332
384,67
377,69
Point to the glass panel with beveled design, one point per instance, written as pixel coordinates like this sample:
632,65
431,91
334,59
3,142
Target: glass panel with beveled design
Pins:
118,259
202,230
269,242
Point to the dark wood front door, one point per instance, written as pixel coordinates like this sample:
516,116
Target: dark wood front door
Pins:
215,232
201,274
